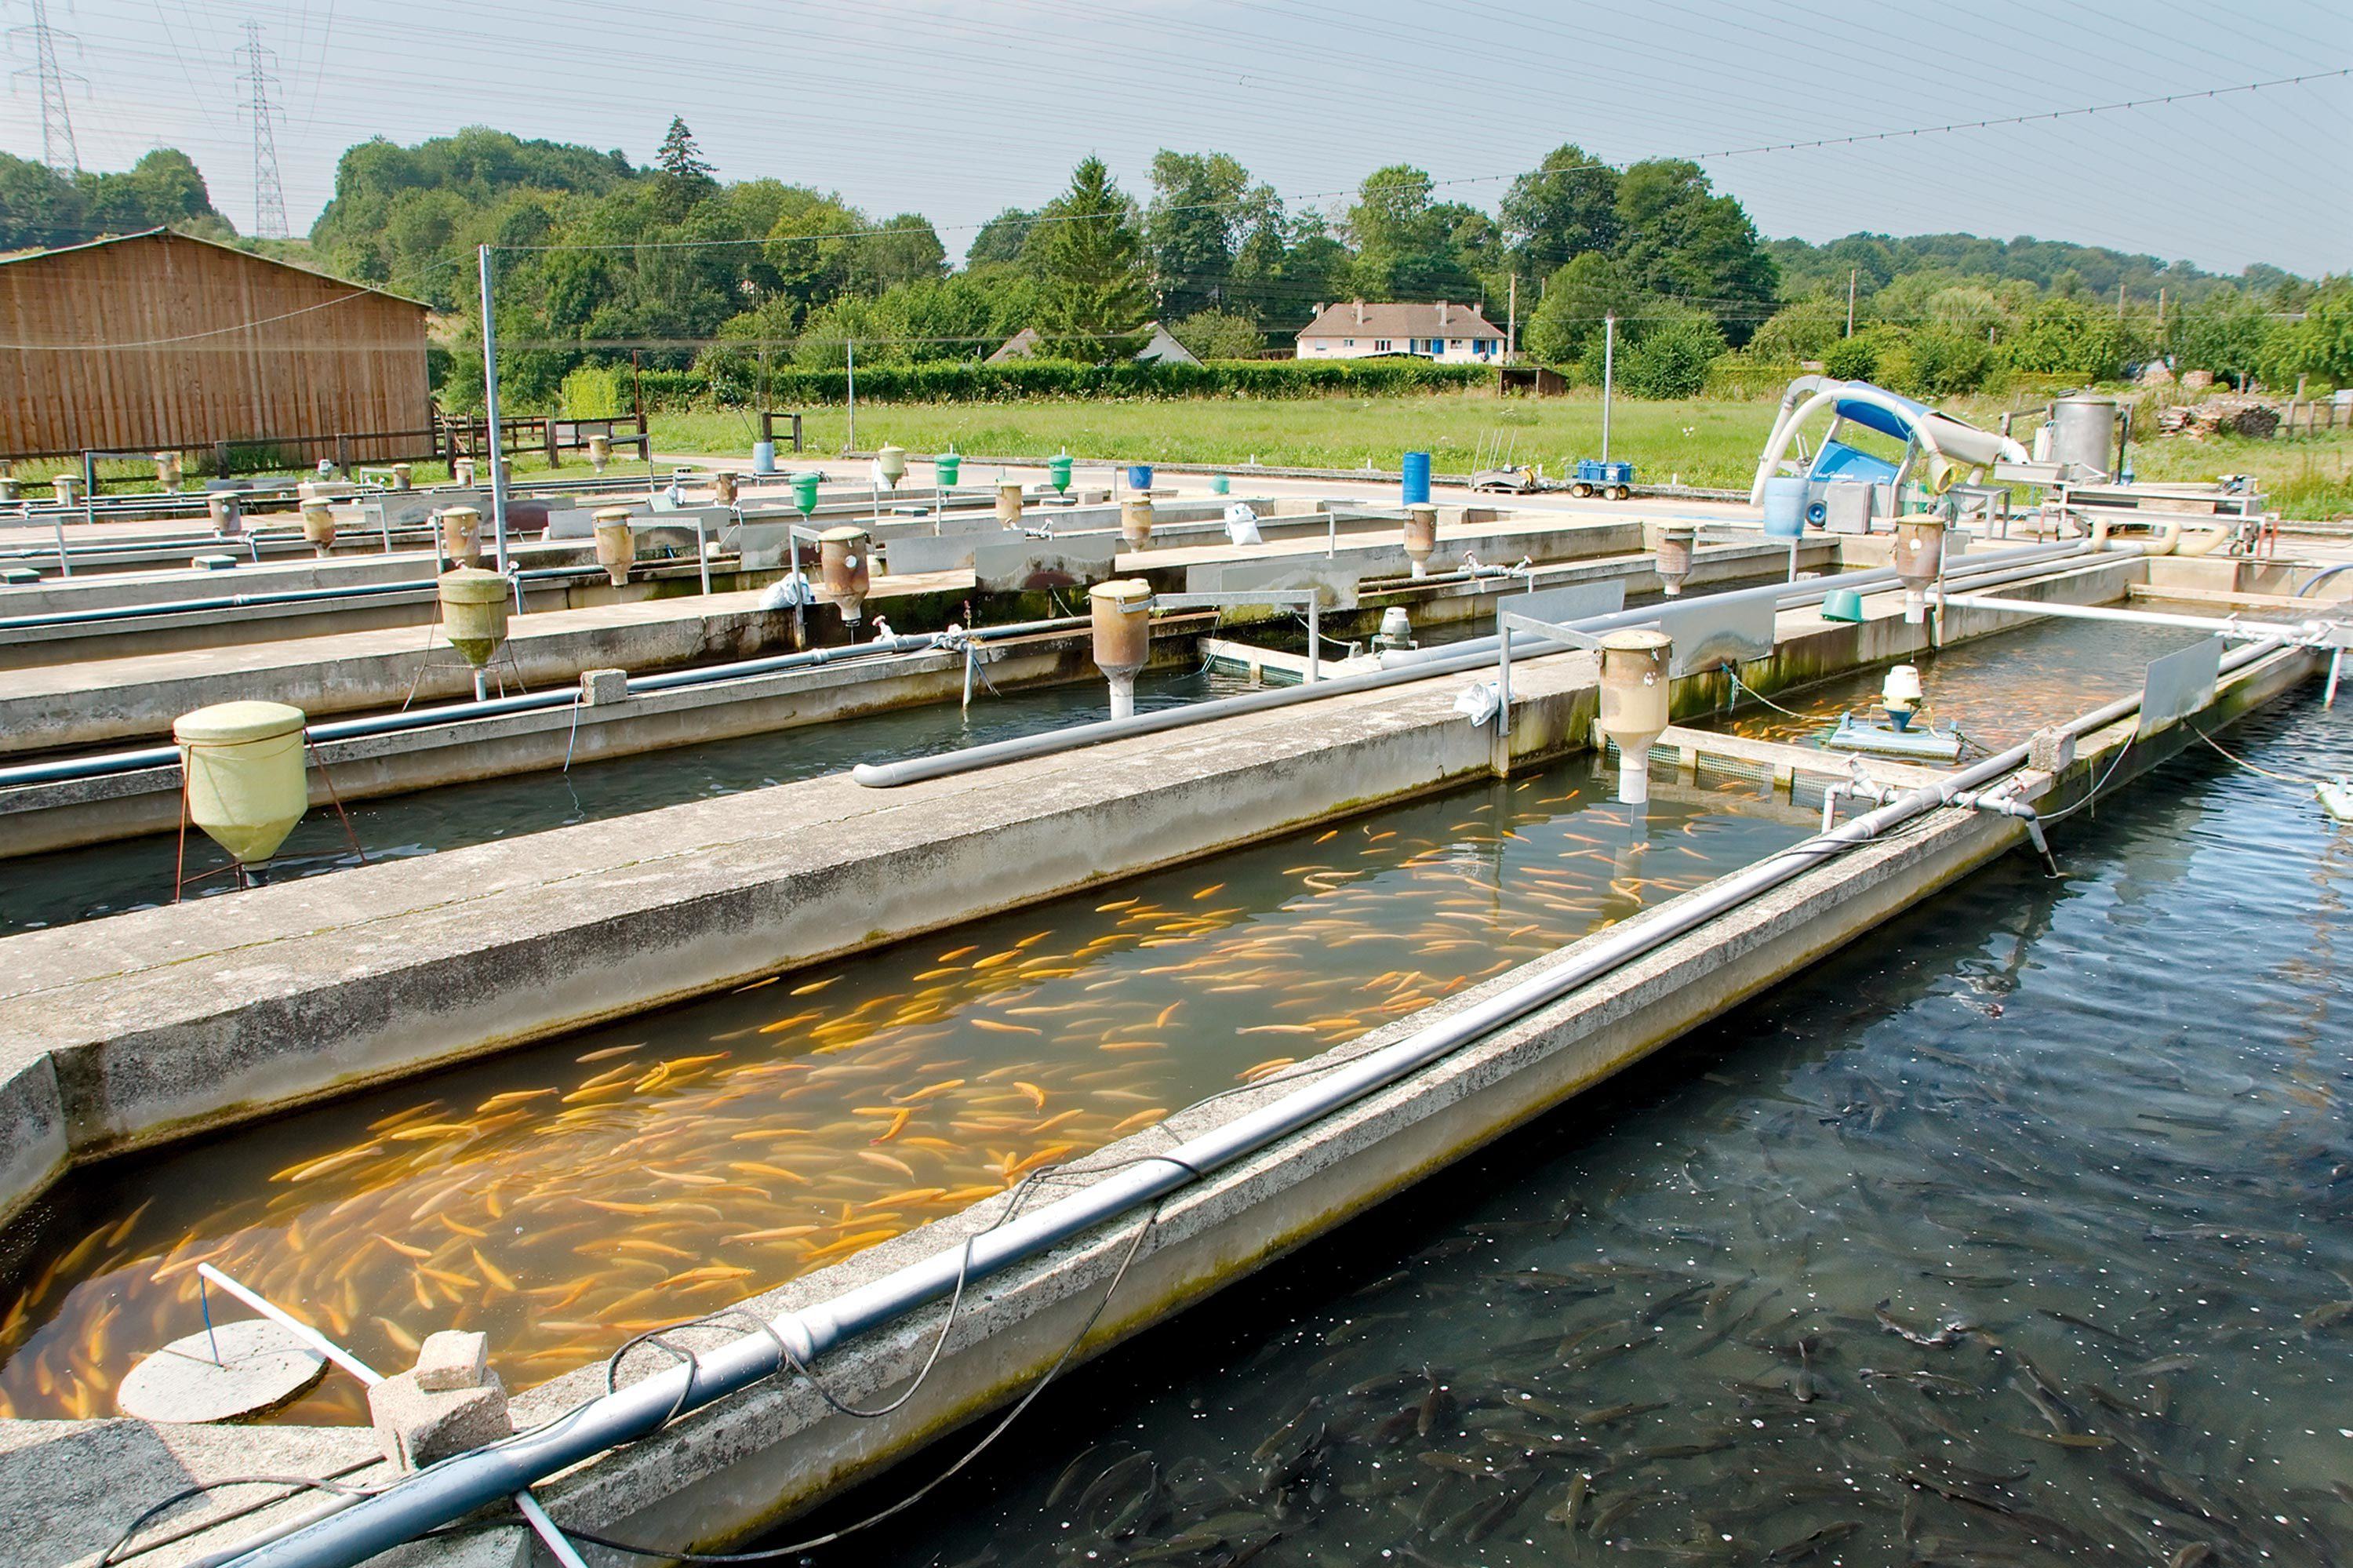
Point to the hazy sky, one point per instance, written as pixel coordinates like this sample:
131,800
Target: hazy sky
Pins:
956,108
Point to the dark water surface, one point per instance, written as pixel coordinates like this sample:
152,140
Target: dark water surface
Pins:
136,874
2020,1233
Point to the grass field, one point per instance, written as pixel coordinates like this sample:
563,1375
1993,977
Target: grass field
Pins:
1702,442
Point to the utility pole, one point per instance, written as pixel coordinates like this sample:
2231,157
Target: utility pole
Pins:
57,150
1849,299
269,196
850,350
2160,323
491,414
1512,323
1608,377
2120,298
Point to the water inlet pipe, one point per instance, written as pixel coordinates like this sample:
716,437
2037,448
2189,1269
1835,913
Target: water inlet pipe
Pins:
1454,658
359,1529
108,764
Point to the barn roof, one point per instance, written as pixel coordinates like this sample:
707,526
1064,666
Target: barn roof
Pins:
169,233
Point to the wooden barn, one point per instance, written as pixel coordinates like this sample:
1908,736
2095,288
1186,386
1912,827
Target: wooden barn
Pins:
161,341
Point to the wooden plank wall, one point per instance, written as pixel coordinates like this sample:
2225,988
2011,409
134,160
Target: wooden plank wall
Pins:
163,341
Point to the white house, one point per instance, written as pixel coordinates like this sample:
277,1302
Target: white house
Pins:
1453,334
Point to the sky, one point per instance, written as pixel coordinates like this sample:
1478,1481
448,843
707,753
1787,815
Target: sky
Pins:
957,109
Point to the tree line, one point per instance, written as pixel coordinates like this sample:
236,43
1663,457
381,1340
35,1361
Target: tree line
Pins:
605,265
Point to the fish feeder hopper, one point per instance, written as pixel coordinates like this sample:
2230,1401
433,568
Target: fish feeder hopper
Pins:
168,472
242,773
67,488
723,486
474,616
616,542
461,472
1634,693
946,469
319,524
404,476
461,536
804,494
227,514
1901,699
1009,503
1122,613
1675,550
843,571
1058,473
8,487
1420,536
600,453
1135,522
1397,629
1919,561
890,462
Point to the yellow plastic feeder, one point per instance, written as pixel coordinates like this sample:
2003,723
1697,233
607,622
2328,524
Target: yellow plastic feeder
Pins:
246,780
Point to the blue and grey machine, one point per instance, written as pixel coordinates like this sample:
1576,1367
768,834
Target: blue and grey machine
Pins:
1843,486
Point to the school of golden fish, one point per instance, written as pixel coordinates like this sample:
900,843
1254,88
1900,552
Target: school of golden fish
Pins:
566,1197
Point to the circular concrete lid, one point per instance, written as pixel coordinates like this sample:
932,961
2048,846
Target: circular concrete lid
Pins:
261,1366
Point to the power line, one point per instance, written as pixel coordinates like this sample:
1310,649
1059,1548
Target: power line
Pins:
268,194
57,149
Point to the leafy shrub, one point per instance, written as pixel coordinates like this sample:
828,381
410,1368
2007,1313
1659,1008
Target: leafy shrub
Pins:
1672,359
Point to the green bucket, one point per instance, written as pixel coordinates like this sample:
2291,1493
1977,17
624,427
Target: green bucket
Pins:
1221,485
1843,603
945,467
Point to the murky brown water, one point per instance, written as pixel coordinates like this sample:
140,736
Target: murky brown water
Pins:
566,1197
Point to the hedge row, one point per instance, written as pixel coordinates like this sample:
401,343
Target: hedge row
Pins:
961,382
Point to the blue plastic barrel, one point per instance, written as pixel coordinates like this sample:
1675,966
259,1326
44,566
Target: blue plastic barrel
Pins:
1417,479
1139,476
763,457
1785,506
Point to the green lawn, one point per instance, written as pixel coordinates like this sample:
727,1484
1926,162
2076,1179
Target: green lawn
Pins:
1702,442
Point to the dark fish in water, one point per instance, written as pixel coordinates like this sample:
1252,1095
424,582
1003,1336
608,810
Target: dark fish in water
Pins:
1926,1381
2328,1314
1612,1511
2162,1365
1282,1433
1191,1543
1608,1414
1808,1546
2191,1555
1438,1408
2073,1322
1114,1482
1461,1463
1250,1549
1950,1333
1072,1471
1565,1514
2068,1439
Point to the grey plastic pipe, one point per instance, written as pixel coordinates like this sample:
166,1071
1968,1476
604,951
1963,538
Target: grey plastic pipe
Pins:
105,763
448,1491
1455,658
